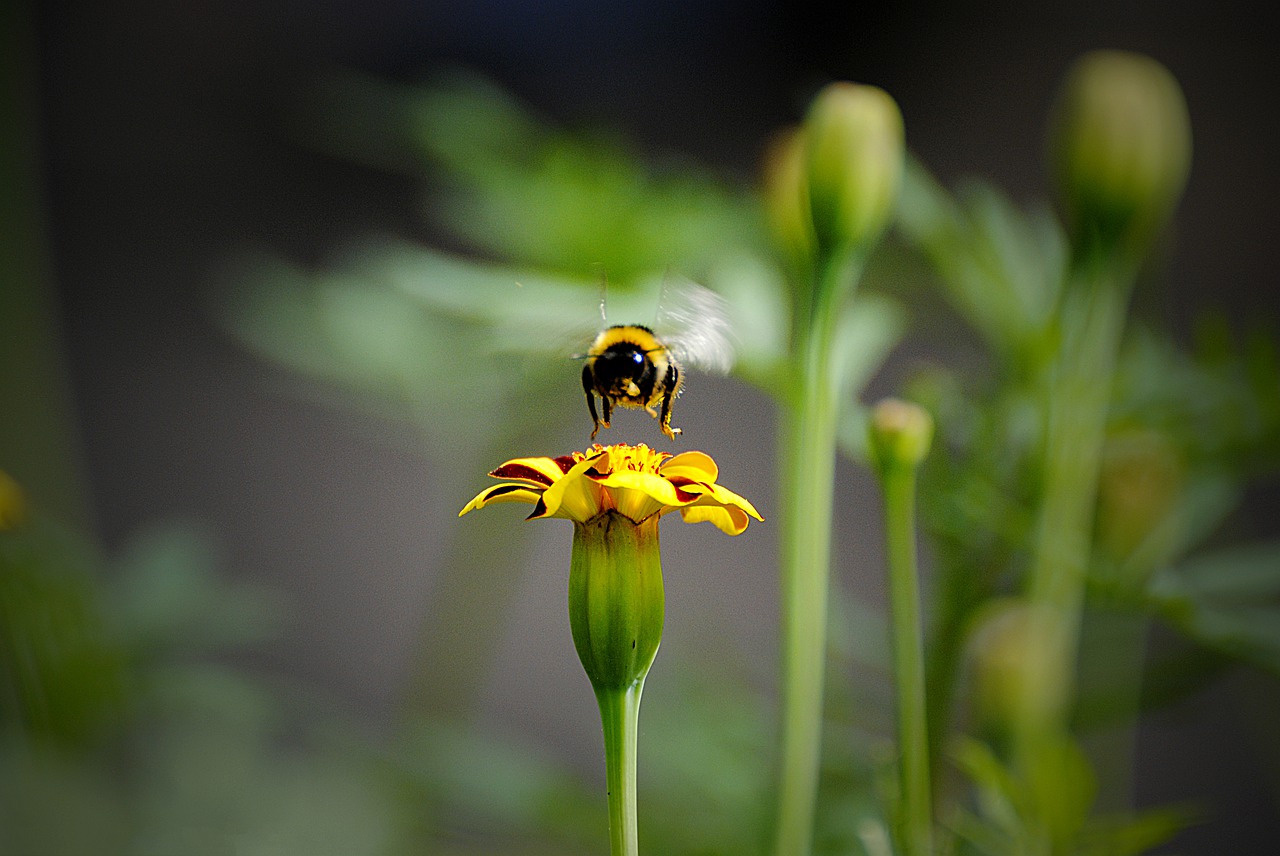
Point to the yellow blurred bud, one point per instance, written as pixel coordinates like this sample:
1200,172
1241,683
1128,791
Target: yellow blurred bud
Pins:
1121,147
1009,647
12,504
900,433
1141,478
786,195
854,147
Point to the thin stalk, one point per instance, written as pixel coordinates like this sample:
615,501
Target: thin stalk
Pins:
1092,322
807,471
620,715
899,482
39,444
1113,743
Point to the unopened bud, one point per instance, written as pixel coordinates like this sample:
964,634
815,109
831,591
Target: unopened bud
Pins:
854,143
12,504
1141,479
900,433
786,195
616,599
1009,651
1121,147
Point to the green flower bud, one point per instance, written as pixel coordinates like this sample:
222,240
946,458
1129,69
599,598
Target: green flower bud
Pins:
1121,148
786,195
900,433
1009,647
12,505
1138,488
616,599
854,161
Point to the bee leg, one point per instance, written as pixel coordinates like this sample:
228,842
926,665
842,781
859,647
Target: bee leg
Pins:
672,389
588,386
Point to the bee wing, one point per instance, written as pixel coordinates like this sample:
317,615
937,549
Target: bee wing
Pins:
545,317
693,322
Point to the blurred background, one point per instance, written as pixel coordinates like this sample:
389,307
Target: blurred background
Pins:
159,151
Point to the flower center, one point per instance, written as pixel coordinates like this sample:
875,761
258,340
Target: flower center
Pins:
624,458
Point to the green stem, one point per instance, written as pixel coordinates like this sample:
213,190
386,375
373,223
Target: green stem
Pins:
39,445
808,475
620,714
616,615
1112,743
1091,324
899,483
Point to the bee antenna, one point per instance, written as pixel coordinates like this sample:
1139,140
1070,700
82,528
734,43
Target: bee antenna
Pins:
664,291
604,294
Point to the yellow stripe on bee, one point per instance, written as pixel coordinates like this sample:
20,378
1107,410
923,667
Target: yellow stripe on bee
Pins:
639,336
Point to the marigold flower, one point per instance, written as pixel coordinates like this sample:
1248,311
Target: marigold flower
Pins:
615,496
636,482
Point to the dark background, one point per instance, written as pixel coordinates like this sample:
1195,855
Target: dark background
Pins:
167,143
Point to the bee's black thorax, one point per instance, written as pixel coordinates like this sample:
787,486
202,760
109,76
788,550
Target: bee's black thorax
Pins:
623,368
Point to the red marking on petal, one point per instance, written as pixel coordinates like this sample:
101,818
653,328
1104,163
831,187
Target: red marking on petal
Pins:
565,462
503,489
538,510
679,482
521,471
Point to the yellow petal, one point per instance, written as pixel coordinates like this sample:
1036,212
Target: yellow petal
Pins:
724,496
730,520
696,466
502,493
574,495
540,471
638,496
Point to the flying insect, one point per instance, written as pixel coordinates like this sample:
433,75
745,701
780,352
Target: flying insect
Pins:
635,366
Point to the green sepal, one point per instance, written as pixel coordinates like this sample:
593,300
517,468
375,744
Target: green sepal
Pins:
615,599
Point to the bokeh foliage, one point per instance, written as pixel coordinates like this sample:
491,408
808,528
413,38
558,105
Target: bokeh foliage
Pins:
127,696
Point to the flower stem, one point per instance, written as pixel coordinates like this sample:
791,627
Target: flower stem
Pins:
899,483
619,715
616,615
38,436
1092,321
808,475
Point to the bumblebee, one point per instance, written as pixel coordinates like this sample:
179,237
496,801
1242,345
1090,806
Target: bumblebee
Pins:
628,365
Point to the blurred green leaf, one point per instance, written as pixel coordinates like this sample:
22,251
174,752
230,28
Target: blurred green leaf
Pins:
1228,600
62,673
760,314
999,822
705,760
167,594
510,787
572,201
1001,268
51,804
1139,833
866,331
1246,573
208,784
1047,798
1218,401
